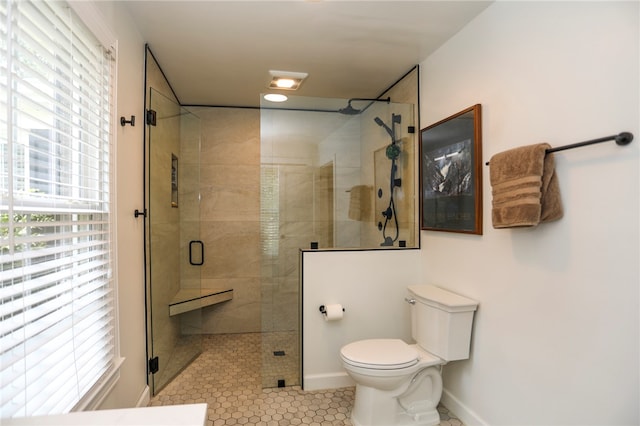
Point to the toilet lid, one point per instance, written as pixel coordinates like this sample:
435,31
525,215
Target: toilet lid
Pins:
380,354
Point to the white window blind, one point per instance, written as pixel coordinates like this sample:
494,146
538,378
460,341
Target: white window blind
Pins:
57,313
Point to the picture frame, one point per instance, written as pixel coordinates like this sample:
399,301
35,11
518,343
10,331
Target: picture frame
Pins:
451,173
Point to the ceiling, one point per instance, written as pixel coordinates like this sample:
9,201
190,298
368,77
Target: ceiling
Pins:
219,53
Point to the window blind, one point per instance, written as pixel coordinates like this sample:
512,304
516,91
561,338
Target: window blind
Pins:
57,314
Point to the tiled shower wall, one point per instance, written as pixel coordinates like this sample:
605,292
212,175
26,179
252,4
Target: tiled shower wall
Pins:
230,220
230,216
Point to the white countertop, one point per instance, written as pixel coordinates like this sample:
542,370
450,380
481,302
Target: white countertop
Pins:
166,415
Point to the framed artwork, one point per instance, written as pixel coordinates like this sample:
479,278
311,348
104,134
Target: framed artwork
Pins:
451,173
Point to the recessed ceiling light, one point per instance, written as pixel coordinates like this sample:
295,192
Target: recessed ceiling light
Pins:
275,97
286,80
285,83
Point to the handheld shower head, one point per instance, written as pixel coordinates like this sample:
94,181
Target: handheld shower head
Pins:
380,123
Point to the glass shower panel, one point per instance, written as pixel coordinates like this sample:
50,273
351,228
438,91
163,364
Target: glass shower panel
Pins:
382,200
328,181
360,185
174,251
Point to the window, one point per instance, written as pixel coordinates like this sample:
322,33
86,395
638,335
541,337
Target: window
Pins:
58,341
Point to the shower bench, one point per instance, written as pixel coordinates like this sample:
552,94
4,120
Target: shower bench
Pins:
190,299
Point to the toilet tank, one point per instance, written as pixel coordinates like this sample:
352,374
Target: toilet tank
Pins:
441,321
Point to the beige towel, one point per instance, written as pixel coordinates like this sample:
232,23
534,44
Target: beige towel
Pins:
360,203
525,187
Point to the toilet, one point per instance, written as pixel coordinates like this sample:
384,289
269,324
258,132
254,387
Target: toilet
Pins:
401,384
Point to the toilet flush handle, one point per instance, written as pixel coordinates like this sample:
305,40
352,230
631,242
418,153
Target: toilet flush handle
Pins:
410,301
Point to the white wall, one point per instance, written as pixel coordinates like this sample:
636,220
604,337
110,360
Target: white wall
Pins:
556,335
371,286
131,389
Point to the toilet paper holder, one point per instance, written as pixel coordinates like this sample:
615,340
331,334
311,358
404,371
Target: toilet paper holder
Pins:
323,310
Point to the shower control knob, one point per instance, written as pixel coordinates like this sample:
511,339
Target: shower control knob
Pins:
410,301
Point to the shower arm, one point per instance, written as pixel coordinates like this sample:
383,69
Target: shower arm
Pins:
349,110
387,100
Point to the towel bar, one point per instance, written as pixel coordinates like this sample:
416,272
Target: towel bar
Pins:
623,138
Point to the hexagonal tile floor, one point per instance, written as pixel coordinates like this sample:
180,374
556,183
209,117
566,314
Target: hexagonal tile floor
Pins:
227,376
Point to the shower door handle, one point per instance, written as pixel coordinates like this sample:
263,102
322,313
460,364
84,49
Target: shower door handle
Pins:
191,253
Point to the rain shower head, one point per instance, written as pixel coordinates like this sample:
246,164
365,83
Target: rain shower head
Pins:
349,110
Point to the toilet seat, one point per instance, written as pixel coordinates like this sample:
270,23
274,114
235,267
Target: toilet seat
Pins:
380,354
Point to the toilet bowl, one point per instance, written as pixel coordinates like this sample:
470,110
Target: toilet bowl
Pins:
401,384
396,383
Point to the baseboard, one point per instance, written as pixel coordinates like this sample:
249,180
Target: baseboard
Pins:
461,411
145,398
313,382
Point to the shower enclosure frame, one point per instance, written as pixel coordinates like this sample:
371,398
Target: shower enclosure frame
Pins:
166,171
268,351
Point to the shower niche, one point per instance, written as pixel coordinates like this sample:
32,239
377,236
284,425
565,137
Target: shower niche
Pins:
174,181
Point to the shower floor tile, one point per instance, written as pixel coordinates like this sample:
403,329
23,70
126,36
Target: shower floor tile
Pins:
227,376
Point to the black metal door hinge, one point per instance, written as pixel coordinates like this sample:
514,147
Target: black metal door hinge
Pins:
154,365
151,117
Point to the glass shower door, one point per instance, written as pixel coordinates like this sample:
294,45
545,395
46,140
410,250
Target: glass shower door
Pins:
174,252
